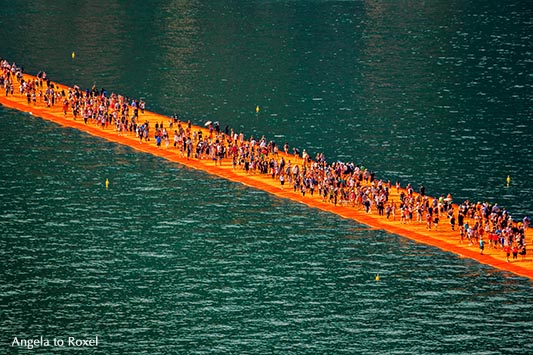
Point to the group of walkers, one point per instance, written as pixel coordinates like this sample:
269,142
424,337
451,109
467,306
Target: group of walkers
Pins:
338,183
93,106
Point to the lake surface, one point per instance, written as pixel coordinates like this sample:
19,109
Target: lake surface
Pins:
172,260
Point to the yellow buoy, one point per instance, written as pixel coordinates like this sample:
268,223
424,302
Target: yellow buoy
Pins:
377,277
73,55
508,180
257,109
107,183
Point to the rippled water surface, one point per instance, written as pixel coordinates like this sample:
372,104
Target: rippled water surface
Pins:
171,260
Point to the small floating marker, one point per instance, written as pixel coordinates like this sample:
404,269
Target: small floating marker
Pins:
508,180
257,109
107,184
377,277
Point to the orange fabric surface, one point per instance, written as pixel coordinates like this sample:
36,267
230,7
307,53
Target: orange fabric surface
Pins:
444,239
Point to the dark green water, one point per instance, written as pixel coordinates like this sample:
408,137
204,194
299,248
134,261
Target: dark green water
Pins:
170,260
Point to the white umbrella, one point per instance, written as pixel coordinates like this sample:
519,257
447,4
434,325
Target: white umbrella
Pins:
207,123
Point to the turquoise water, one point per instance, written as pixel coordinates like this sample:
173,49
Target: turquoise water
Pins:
171,260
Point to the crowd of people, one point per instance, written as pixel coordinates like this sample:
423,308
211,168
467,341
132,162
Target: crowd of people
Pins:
338,183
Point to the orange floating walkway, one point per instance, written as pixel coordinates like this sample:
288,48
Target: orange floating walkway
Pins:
444,239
